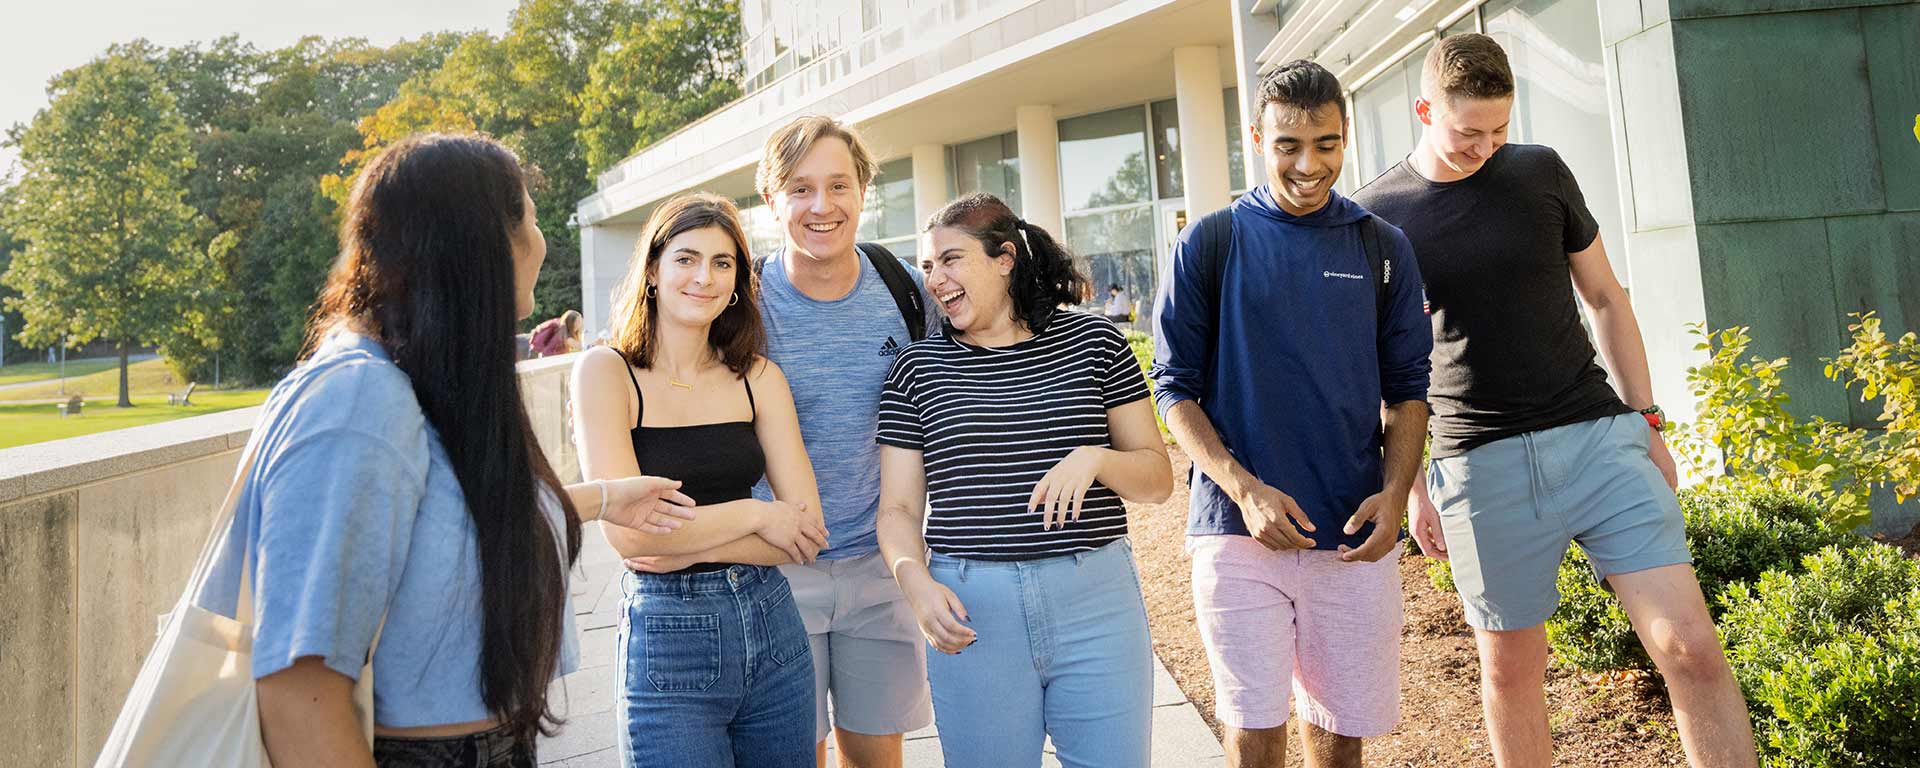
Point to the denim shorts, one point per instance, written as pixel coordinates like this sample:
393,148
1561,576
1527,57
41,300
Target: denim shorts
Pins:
715,670
1061,650
1509,509
487,749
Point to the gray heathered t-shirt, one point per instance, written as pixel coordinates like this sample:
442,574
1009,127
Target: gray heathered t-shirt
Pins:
836,355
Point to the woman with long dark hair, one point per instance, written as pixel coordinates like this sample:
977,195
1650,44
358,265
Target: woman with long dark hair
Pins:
1029,424
397,496
712,653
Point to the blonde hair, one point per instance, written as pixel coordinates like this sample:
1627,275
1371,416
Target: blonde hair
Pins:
792,141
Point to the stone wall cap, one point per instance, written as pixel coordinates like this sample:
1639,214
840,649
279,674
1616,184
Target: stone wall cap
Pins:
30,470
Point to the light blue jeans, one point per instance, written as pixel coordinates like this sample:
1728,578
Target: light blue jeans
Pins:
1061,650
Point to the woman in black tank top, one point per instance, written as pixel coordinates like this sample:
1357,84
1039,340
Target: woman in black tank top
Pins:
711,650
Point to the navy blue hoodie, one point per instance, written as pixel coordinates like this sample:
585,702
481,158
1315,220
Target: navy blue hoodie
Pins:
1301,362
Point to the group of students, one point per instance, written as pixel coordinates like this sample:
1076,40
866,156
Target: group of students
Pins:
818,464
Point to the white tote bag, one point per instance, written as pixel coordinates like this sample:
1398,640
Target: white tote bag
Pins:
194,701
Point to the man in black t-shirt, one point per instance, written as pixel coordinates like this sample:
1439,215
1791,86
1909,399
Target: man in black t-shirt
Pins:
1532,448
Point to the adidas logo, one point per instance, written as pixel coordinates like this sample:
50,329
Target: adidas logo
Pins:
890,348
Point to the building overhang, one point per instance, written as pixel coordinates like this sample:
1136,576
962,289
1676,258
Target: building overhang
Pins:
963,89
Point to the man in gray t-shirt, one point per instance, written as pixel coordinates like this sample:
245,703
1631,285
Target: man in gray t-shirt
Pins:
834,328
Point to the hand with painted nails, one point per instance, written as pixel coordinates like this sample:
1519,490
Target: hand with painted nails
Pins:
646,504
1385,510
1062,492
1274,519
937,609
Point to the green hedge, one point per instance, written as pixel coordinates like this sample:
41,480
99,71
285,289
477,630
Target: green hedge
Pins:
1829,659
1735,536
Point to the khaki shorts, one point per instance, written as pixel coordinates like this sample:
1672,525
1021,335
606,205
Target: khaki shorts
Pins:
868,653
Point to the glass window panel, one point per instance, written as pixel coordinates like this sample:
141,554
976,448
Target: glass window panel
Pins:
763,232
1560,96
889,204
1236,142
990,165
1166,149
1116,247
1103,159
1385,125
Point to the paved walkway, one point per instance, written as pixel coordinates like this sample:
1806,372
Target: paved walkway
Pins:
1180,738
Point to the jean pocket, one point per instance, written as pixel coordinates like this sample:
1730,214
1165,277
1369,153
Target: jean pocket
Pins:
786,634
683,652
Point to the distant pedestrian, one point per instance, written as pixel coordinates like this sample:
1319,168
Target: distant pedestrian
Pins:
1119,307
557,336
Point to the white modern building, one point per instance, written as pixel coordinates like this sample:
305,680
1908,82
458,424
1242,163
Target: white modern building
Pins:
1751,161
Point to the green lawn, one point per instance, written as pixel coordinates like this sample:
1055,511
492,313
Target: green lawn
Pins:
26,423
16,373
147,377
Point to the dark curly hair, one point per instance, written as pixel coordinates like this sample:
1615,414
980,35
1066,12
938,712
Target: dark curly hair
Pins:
1045,275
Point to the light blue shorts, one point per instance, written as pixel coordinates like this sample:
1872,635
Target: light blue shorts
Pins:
1509,509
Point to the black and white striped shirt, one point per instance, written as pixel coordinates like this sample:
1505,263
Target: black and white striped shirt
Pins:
991,422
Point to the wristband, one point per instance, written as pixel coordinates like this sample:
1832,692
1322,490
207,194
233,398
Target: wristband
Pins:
1656,418
603,499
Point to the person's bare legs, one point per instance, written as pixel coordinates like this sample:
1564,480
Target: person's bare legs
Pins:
1670,615
1513,693
861,750
820,754
1256,747
1326,749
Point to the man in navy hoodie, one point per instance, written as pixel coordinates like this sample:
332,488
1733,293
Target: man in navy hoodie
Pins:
1282,330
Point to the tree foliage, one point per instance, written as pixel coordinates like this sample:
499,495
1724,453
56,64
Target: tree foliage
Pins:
263,146
112,248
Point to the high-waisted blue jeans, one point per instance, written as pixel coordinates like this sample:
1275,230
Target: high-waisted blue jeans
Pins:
1061,650
716,671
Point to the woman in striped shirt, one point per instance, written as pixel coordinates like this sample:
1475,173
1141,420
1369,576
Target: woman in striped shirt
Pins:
1026,424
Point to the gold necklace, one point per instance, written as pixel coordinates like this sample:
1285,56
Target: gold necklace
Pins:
671,381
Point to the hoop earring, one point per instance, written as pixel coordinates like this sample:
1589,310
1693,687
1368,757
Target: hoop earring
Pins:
736,300
651,289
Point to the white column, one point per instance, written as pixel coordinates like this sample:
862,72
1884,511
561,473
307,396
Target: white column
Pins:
1251,34
605,251
929,180
1203,128
1038,135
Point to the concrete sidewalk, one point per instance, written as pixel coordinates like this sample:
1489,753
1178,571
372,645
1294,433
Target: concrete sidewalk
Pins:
1180,738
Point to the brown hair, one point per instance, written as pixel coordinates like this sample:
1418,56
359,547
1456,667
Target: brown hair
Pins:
1468,64
737,335
792,141
570,322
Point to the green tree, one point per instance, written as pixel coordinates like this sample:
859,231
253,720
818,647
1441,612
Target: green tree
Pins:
679,61
111,246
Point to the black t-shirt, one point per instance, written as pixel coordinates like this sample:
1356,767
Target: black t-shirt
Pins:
1509,352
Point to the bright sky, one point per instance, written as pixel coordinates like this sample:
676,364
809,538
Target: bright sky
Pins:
41,38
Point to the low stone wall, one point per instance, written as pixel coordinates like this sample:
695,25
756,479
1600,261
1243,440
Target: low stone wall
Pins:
98,535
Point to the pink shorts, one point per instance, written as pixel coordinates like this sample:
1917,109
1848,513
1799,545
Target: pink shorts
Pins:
1299,624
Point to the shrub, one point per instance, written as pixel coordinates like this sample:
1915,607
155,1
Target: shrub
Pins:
1735,536
1440,575
1743,417
1829,659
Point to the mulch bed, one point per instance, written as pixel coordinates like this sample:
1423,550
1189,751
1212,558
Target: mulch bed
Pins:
1617,723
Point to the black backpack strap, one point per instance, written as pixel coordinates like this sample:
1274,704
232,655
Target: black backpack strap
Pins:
1216,246
906,295
1370,237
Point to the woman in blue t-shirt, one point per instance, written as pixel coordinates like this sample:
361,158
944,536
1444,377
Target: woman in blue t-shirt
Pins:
397,492
1025,425
711,651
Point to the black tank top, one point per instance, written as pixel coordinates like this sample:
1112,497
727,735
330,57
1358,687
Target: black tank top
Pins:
715,463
